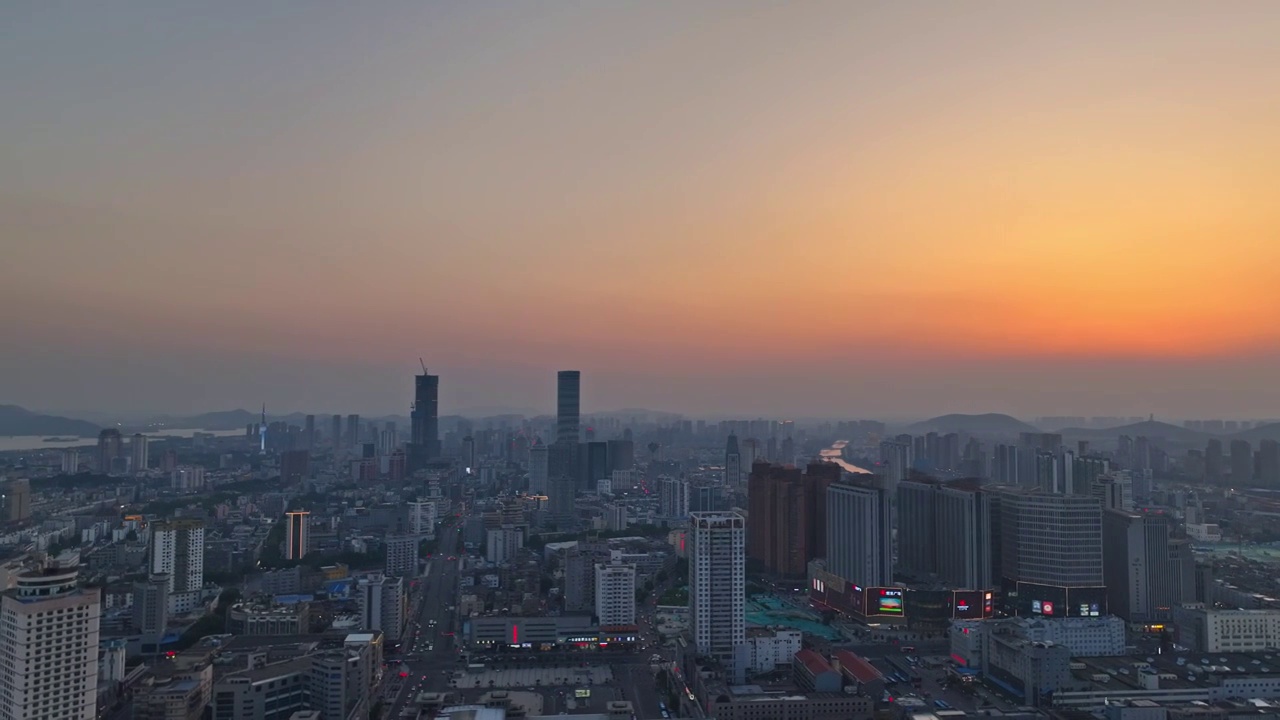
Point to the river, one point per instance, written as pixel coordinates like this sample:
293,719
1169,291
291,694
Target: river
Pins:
835,454
14,443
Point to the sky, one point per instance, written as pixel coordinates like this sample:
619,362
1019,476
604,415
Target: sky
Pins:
817,209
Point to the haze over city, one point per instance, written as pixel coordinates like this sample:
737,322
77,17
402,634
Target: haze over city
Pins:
825,210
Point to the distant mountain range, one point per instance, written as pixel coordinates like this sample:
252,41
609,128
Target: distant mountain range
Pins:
1147,428
20,421
986,424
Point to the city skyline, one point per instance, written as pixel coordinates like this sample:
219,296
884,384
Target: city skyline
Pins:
893,210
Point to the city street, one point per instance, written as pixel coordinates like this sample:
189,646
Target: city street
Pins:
429,670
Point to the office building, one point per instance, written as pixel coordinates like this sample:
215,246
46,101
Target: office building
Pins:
139,457
1114,490
17,500
309,432
1221,631
1241,462
177,551
859,527
151,610
402,555
538,468
382,605
717,586
622,455
594,460
297,534
424,419
1147,569
615,596
1051,553
966,536
568,400
49,647
917,528
732,463
110,447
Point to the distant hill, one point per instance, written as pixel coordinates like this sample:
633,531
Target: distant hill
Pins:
1147,428
987,424
1258,434
20,421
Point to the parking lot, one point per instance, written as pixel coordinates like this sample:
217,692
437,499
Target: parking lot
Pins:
553,676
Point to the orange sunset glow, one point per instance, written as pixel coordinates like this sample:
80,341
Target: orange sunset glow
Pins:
688,201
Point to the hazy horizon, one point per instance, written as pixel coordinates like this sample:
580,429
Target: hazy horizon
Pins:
718,209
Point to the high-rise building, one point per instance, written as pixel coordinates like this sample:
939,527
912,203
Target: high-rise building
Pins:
424,419
717,586
335,432
1269,463
1006,465
917,528
503,543
616,596
469,454
110,447
309,432
49,647
17,500
538,468
382,605
422,518
968,536
560,500
895,459
353,432
787,516
1114,490
1241,462
1147,569
673,497
732,463
177,550
402,555
151,609
296,534
594,457
1051,552
859,531
139,458
568,405
1213,461
70,461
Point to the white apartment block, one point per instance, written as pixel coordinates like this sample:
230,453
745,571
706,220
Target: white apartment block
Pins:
177,549
422,518
717,585
774,650
49,647
616,595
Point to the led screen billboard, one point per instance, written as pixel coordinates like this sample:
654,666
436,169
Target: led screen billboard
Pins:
884,601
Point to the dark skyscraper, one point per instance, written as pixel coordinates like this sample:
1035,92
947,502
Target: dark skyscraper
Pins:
1241,462
568,405
424,430
732,463
309,432
353,431
1213,461
110,447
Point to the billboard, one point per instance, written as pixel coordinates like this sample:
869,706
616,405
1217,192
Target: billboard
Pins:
884,601
970,605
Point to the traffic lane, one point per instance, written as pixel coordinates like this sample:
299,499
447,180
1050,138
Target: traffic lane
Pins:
639,688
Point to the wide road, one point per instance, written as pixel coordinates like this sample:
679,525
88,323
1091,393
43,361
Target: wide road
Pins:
429,669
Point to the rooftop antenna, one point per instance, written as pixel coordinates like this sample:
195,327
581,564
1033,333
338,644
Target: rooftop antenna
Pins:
424,366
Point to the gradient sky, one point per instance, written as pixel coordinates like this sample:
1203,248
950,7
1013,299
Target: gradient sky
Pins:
837,209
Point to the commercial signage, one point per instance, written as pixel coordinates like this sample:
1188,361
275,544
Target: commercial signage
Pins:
886,601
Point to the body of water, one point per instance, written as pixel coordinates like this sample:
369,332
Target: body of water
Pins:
16,443
835,454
